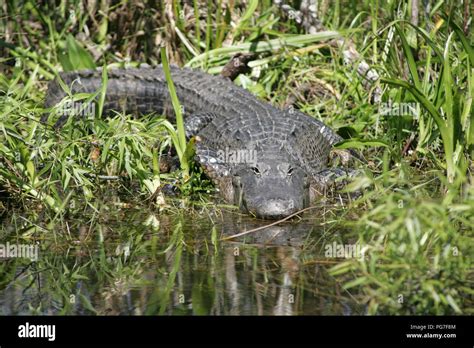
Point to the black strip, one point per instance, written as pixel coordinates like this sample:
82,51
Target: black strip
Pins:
256,330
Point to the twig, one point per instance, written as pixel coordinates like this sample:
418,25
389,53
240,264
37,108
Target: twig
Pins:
269,225
466,17
312,262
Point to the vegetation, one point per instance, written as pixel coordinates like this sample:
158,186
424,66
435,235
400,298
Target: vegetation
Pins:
415,219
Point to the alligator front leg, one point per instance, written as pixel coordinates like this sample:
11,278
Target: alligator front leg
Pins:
216,167
196,122
330,180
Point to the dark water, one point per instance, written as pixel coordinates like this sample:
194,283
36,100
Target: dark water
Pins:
149,263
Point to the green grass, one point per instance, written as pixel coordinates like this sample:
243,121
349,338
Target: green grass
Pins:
416,215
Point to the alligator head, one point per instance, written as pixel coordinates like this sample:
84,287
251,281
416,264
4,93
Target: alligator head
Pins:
270,190
265,181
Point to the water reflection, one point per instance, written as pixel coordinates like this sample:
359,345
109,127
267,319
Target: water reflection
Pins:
127,268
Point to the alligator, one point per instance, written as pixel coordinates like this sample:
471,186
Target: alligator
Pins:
270,162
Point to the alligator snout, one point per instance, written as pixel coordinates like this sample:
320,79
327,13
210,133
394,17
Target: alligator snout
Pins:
275,208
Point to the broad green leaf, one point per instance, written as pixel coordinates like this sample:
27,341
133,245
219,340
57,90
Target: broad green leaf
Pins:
409,56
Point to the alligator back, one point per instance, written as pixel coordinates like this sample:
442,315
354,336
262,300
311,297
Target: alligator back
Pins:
144,91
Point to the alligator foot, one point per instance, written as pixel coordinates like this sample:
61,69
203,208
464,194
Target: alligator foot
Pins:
168,163
329,181
196,122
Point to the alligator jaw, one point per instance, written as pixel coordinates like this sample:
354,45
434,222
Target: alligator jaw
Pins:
274,209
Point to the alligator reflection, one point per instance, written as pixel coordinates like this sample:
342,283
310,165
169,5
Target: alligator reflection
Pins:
177,270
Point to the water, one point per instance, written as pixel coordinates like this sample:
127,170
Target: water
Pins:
140,262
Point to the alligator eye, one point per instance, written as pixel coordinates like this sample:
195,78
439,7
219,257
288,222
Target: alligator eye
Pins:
256,171
290,171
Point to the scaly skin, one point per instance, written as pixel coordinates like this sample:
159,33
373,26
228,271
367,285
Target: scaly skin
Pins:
285,149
